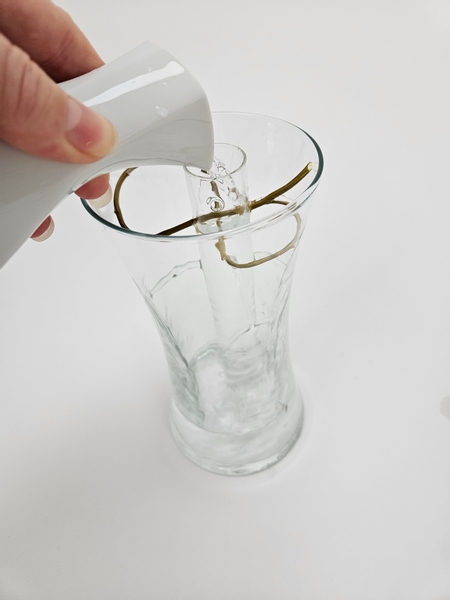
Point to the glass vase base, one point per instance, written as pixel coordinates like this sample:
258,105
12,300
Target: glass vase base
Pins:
240,453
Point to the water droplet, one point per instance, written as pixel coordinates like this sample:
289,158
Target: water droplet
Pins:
162,111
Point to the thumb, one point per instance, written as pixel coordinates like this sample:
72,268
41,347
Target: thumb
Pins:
38,117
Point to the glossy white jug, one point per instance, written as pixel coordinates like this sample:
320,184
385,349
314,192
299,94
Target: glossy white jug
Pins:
161,115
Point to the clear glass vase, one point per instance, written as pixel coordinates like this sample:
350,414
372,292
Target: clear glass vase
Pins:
213,256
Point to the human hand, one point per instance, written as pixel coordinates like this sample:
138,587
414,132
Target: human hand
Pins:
41,45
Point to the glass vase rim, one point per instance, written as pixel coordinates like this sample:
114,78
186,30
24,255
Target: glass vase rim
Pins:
266,221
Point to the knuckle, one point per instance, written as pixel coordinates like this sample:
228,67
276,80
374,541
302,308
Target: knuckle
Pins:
70,54
19,89
24,97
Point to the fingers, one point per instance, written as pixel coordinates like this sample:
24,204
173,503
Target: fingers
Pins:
44,231
35,114
50,37
98,192
95,188
103,200
40,118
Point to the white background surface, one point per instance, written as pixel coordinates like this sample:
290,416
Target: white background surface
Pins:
96,501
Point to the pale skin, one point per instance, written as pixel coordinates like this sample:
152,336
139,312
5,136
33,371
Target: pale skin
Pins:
40,45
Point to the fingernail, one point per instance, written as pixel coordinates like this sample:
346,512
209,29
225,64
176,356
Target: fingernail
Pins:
103,200
89,131
47,231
